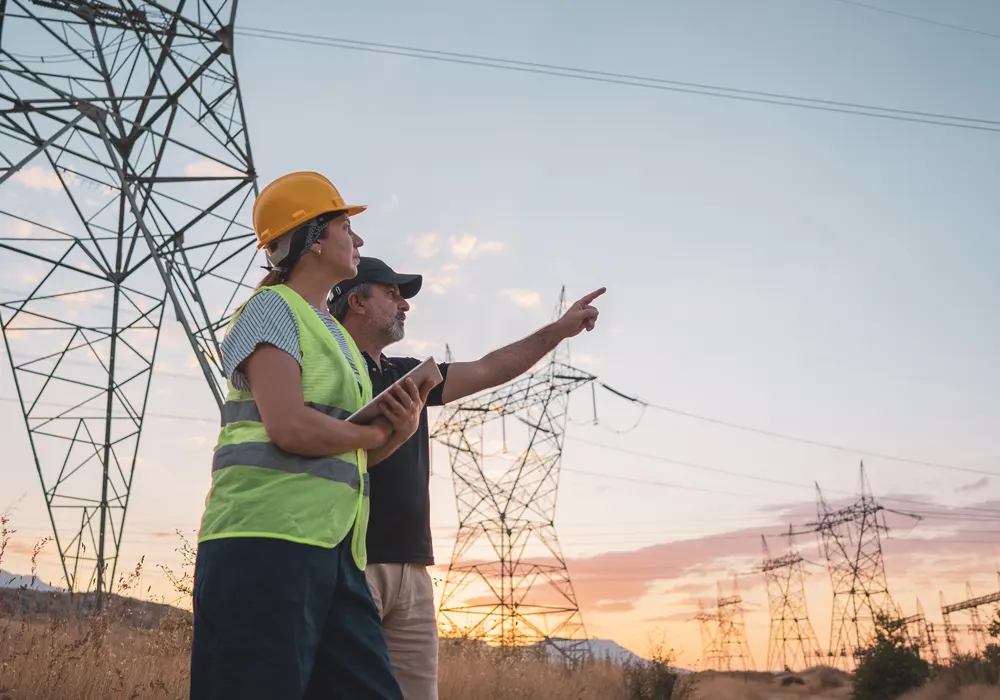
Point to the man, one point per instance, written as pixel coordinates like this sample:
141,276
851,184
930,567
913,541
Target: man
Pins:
372,306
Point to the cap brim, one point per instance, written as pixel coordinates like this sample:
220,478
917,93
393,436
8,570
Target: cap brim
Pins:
408,285
355,209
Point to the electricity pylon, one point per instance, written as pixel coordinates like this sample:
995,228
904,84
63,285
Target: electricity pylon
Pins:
920,633
506,554
733,648
708,623
125,172
976,628
852,545
792,643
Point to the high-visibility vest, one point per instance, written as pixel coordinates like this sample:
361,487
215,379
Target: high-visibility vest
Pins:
260,490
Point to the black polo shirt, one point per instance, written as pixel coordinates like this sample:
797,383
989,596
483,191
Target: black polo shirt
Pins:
399,528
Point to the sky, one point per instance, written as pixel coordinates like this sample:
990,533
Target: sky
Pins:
810,273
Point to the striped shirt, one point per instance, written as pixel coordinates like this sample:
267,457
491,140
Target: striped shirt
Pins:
267,318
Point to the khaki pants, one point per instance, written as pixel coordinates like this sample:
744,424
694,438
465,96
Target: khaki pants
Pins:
404,595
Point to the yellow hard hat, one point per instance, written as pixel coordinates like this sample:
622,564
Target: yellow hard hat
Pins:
291,201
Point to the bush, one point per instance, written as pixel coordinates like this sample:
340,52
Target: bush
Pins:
655,679
890,665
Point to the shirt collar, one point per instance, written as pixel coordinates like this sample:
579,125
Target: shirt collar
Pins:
382,360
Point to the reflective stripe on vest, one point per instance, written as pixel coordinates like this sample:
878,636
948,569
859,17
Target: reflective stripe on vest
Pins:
235,411
269,456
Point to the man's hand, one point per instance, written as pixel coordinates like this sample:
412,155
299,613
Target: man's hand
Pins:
580,316
401,407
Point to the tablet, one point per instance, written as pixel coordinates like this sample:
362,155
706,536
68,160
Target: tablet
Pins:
427,369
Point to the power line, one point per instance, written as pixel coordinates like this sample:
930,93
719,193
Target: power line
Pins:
918,18
631,80
974,511
796,438
651,482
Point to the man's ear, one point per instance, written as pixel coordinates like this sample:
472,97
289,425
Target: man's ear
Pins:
354,303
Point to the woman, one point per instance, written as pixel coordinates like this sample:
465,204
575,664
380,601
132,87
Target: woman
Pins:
281,607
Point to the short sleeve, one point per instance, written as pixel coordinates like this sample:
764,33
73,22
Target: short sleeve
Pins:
436,397
266,318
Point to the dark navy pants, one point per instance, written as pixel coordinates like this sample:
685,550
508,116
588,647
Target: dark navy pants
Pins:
276,620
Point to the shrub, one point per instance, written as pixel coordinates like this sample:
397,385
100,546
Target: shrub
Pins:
655,679
890,665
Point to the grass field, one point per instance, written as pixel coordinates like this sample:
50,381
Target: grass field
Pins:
56,647
55,654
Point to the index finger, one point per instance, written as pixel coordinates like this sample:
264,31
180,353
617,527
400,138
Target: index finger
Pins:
593,295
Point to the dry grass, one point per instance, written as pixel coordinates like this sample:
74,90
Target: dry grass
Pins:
52,647
937,690
814,684
59,660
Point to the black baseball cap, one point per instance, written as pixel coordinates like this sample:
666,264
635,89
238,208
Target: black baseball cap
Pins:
374,270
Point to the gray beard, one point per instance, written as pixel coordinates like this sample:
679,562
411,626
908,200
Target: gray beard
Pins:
392,332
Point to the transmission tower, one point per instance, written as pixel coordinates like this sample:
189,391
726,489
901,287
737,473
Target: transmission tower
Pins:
852,545
125,168
975,629
734,650
708,623
792,643
506,554
919,632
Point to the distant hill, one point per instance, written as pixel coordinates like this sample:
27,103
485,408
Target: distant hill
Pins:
20,595
607,650
9,580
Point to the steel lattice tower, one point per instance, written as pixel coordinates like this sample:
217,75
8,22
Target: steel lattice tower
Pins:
708,623
852,545
976,629
506,552
731,642
919,632
724,645
126,119
792,643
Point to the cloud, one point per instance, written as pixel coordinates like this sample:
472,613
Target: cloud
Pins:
468,246
526,298
936,553
450,267
211,168
439,285
22,229
38,178
586,360
425,246
462,246
83,299
415,345
393,203
974,486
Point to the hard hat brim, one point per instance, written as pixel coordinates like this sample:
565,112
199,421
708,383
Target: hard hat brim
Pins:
351,209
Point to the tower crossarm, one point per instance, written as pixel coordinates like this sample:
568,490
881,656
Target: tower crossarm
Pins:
971,603
782,562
